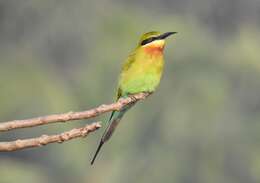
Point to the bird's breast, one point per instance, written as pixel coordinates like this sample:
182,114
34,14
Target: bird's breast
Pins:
145,72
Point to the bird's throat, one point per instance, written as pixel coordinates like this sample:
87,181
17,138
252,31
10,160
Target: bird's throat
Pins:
155,50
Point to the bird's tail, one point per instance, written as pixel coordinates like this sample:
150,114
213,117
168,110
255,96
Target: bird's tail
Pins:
114,120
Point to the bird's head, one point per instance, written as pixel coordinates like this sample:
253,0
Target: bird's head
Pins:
154,40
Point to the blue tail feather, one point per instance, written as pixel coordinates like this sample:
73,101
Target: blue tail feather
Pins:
114,120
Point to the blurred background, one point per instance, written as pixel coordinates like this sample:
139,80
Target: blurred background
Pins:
202,124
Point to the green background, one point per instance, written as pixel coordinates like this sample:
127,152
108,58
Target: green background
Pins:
201,126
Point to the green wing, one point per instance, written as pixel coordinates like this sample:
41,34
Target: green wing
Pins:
127,64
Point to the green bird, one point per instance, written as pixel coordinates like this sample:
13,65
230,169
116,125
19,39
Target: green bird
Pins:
141,72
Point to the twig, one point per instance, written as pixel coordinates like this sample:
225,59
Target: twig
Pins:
47,139
10,125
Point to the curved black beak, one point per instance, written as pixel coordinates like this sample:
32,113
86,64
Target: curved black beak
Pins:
165,35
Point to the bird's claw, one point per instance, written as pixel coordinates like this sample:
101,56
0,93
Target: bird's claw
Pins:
133,98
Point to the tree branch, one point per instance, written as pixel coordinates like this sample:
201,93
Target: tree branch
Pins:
10,125
65,136
47,139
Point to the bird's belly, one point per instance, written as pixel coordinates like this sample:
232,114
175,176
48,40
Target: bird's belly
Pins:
142,83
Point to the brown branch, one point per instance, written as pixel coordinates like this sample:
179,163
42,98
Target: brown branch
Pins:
10,125
47,139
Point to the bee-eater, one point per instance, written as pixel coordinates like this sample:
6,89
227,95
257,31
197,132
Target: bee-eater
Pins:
141,72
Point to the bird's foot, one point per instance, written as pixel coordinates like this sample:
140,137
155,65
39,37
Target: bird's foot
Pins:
133,98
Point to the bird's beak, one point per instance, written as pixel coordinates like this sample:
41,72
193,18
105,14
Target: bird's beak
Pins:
165,35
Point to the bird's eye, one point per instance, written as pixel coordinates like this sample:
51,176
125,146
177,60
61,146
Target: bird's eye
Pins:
149,40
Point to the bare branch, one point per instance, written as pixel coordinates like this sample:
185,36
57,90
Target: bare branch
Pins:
47,139
10,125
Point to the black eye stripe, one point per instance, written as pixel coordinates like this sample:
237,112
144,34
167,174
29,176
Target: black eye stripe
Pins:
149,40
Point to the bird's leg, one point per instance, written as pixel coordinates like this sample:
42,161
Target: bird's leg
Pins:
133,98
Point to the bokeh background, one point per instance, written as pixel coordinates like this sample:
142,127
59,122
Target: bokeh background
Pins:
201,126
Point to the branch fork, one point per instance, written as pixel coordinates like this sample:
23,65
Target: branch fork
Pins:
65,117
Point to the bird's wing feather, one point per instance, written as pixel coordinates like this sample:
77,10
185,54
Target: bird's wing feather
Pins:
126,66
129,61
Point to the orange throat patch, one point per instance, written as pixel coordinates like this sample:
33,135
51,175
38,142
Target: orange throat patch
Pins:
154,49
